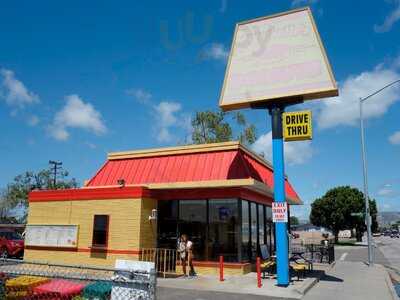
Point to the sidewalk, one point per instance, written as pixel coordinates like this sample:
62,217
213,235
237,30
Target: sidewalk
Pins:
234,286
353,280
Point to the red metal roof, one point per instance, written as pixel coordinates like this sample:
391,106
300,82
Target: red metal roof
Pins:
231,163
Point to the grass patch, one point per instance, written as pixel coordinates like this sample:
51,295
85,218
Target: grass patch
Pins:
347,242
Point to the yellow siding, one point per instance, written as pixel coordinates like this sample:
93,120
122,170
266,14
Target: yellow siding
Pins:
129,228
148,229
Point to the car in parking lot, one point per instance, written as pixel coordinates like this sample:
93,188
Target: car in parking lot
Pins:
387,233
11,244
395,234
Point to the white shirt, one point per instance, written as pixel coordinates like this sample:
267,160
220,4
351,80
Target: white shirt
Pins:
189,245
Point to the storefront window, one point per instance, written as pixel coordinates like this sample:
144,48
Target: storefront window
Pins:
167,224
261,228
223,229
254,230
268,211
193,222
216,227
245,230
270,230
268,236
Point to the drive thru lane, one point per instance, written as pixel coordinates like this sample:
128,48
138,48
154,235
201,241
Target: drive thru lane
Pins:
390,248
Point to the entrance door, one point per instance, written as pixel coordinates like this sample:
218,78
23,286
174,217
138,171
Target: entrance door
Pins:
193,223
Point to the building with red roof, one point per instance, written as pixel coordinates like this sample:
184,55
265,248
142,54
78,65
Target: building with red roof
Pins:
219,195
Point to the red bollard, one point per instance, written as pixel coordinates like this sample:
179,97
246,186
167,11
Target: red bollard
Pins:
258,265
221,268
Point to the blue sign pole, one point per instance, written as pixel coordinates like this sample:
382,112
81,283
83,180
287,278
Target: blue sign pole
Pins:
282,254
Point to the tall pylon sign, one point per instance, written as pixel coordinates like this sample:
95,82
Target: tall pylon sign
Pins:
274,62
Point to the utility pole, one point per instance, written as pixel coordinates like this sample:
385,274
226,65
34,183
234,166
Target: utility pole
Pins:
56,166
365,172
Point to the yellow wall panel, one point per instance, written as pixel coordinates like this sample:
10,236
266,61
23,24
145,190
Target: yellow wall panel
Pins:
129,228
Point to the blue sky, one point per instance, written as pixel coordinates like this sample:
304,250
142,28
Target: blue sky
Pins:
79,79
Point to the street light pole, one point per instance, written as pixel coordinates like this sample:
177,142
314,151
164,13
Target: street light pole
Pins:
364,160
366,196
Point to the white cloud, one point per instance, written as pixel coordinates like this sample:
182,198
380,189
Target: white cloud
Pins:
33,120
14,92
395,138
344,109
296,153
166,116
387,190
140,95
215,51
76,114
390,19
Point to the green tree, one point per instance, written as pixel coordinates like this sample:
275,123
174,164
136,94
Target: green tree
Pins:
294,220
334,211
15,195
212,127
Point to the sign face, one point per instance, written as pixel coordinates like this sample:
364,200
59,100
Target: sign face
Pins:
52,235
279,212
274,57
297,126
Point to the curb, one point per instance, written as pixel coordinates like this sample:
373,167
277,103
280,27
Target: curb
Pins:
307,286
390,286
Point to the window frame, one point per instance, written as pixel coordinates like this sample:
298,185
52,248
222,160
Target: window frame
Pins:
107,229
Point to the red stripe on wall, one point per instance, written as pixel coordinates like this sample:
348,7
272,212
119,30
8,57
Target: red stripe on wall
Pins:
89,194
96,250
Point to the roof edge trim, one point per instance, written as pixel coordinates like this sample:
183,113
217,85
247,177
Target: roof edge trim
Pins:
174,150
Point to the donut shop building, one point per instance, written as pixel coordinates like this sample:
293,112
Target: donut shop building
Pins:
218,194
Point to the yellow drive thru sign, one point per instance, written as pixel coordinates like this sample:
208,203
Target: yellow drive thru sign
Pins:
297,125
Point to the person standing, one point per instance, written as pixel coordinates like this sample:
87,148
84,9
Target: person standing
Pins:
189,249
182,252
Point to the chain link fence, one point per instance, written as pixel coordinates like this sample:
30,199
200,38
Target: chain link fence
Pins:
21,279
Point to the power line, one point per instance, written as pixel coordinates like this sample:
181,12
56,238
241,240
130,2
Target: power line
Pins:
56,167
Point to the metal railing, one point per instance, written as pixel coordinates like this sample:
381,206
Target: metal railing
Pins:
164,259
21,279
315,252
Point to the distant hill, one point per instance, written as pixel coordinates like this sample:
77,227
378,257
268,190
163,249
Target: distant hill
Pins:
386,218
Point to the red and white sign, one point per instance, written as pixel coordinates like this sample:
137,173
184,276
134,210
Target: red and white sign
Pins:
279,212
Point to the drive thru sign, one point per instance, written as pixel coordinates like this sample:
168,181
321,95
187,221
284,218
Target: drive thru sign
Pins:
279,212
297,125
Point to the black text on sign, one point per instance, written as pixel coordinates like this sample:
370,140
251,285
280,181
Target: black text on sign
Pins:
297,126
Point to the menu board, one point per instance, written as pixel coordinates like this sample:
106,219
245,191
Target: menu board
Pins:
52,235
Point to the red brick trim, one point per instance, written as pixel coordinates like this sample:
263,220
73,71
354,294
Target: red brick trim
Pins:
94,249
89,194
